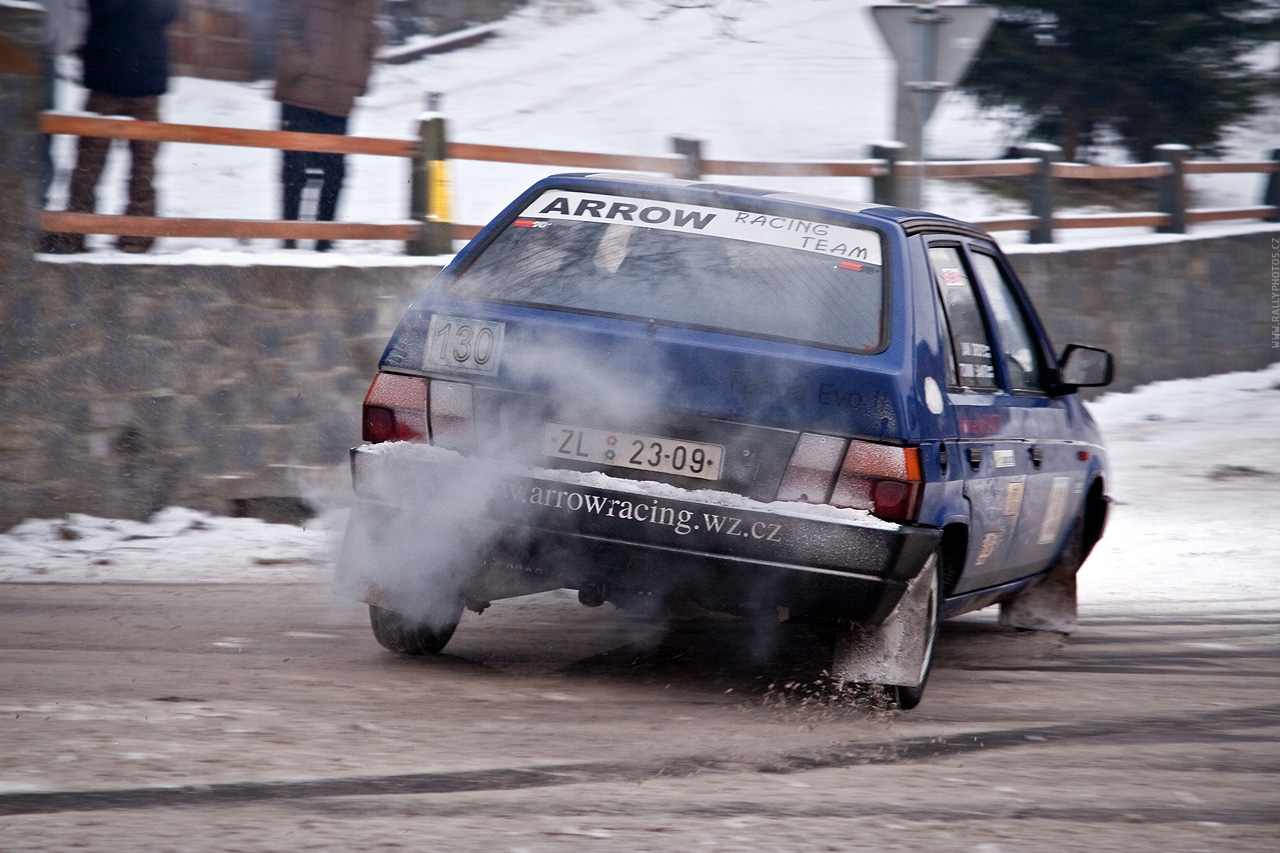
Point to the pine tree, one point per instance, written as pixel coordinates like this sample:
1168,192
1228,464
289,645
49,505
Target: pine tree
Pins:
1144,71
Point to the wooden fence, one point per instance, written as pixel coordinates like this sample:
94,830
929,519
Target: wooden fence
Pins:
431,231
154,226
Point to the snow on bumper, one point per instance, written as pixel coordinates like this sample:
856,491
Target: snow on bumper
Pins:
589,527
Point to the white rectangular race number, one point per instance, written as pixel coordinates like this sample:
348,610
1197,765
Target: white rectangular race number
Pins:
457,343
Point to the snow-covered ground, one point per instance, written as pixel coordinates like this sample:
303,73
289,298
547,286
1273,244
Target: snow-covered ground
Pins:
795,80
1196,476
1195,472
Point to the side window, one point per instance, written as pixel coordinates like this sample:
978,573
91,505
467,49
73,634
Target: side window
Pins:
1021,359
970,342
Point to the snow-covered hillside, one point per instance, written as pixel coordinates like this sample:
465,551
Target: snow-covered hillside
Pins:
796,80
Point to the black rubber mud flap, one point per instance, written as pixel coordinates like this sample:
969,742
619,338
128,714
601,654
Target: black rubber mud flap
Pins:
898,651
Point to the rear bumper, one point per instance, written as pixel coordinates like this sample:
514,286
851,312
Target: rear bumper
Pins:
496,531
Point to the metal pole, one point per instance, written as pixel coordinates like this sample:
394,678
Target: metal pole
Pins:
924,94
429,191
930,19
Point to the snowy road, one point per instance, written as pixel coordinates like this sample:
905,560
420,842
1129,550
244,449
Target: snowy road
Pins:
261,718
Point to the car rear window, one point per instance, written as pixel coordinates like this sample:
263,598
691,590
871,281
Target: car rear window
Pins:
677,264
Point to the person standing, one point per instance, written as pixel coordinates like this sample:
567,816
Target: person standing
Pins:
64,23
126,70
324,53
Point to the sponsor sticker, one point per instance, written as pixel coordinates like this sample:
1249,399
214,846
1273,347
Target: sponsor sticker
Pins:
639,509
1054,512
1013,498
852,244
989,544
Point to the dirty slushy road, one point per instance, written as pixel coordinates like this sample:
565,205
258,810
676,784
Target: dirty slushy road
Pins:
149,717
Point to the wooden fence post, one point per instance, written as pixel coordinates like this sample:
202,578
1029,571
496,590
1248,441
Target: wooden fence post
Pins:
691,151
429,192
1173,188
1271,195
887,189
1040,188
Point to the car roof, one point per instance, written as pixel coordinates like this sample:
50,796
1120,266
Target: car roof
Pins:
721,195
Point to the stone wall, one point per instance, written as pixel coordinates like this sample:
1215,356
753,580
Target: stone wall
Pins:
1166,308
128,387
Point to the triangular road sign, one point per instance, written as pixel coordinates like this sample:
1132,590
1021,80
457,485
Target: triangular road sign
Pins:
933,44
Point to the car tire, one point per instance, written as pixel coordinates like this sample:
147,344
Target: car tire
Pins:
397,632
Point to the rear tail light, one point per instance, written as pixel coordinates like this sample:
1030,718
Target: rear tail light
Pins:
410,408
395,409
812,469
452,416
881,478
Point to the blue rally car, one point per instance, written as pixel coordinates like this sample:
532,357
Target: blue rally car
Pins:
658,391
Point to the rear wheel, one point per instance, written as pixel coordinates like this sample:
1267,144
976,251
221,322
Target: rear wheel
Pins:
398,633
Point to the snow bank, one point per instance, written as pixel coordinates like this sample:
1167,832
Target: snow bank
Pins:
175,546
1196,478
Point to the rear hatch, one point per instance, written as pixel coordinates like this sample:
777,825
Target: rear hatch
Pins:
660,340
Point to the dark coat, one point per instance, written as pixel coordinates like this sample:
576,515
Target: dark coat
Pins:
324,52
126,51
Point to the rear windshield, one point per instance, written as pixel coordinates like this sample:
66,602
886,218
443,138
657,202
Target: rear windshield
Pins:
686,265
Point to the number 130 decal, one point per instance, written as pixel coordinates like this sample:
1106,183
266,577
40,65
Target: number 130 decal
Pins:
456,343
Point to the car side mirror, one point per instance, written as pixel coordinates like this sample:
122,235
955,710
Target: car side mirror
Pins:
1084,367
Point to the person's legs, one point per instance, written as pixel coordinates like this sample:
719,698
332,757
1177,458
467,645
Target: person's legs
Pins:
293,176
49,63
91,158
82,194
142,172
334,169
293,165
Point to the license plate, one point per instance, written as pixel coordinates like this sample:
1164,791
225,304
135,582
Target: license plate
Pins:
632,450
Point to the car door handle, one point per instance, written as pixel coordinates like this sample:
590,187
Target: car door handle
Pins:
975,458
1037,456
